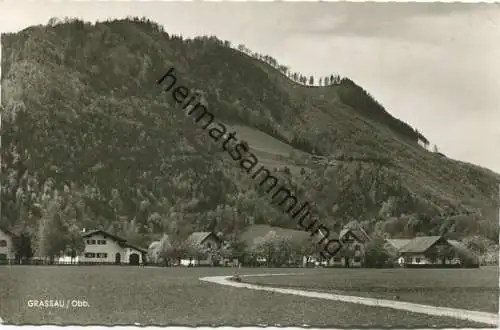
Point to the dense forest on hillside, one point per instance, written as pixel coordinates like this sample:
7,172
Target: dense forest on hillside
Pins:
90,141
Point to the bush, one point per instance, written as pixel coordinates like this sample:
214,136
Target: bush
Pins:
467,259
376,256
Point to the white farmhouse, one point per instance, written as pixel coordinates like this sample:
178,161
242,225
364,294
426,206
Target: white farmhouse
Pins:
103,247
6,246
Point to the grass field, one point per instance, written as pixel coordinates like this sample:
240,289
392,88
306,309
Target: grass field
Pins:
262,141
176,296
271,152
472,289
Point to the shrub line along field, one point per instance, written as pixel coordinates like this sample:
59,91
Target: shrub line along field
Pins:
176,296
487,318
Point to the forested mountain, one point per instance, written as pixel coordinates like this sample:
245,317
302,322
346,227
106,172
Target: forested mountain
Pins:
89,140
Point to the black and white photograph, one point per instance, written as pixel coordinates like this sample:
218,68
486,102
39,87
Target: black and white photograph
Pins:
250,164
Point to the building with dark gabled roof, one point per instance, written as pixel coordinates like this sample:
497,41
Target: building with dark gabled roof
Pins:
353,238
87,234
103,247
431,251
205,241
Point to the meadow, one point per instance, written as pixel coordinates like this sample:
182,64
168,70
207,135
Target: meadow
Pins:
176,296
472,289
271,152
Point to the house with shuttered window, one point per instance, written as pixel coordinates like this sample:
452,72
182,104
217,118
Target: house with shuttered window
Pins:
353,238
103,247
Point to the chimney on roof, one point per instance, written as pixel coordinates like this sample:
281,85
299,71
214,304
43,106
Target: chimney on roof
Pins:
83,230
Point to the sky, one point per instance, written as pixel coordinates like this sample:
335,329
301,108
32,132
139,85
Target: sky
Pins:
431,65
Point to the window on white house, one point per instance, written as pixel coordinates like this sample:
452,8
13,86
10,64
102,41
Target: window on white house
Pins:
357,259
337,259
101,242
417,260
92,241
3,243
89,255
3,256
209,245
357,248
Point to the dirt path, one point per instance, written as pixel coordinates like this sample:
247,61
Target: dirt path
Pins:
463,314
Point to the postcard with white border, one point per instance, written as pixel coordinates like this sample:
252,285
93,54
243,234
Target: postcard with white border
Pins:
265,164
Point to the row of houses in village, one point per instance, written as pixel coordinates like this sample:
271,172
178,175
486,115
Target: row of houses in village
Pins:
100,247
423,251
